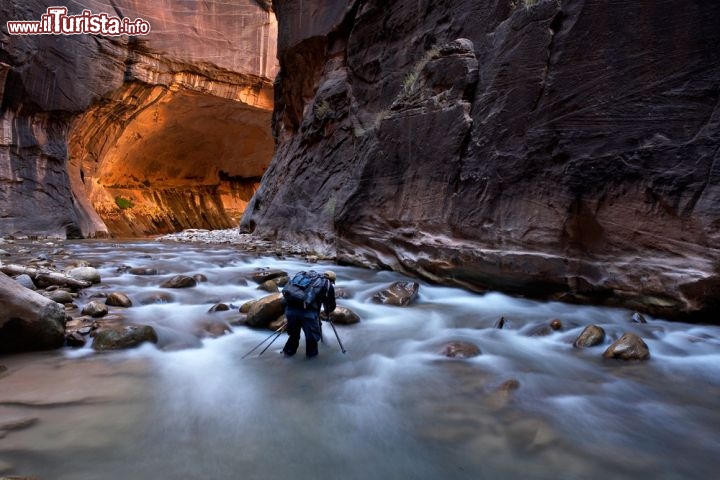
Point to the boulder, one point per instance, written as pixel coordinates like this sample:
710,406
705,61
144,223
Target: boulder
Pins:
179,281
628,347
85,274
245,307
592,335
274,284
26,281
95,309
121,337
75,340
200,278
344,316
281,321
269,286
399,294
638,318
264,274
118,299
265,310
59,296
28,320
460,350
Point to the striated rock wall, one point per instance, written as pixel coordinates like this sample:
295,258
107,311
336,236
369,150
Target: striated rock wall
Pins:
134,135
555,148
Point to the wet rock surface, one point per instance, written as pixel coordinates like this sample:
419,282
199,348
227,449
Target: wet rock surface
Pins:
590,336
179,281
118,299
121,337
628,347
460,350
399,294
265,310
95,309
28,321
344,316
560,171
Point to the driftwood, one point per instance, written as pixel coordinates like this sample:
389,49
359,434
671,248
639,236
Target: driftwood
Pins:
43,275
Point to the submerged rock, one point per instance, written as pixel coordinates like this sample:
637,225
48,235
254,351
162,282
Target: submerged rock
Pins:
179,281
592,335
460,350
121,337
148,298
399,294
628,347
143,271
212,329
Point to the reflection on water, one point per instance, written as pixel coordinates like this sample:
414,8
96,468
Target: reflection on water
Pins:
391,408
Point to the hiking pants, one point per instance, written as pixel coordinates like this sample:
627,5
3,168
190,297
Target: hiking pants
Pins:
308,321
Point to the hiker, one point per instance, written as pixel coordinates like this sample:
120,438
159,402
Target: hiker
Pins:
304,295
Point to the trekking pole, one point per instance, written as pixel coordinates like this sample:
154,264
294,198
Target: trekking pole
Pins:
337,336
273,341
278,332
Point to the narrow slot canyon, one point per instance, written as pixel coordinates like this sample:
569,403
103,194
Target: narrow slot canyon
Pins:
130,136
152,160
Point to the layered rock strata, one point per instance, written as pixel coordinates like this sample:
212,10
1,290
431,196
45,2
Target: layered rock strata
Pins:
134,135
557,149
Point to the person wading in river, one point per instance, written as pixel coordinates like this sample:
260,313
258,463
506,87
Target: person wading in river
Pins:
304,295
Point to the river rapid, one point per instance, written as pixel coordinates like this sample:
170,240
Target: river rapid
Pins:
392,407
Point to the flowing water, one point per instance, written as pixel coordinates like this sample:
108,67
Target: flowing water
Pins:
391,408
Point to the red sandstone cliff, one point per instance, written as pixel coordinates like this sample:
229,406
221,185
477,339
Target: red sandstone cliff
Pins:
551,148
138,134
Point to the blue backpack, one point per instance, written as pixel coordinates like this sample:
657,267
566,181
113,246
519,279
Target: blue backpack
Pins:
303,289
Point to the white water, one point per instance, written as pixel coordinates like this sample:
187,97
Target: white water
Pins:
391,408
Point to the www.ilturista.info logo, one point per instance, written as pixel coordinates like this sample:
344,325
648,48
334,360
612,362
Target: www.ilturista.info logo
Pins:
57,22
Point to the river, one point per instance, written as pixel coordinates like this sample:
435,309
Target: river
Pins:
390,408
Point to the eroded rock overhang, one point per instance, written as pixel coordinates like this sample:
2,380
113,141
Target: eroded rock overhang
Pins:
136,135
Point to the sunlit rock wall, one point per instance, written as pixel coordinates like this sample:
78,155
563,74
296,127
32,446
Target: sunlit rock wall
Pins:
135,135
556,148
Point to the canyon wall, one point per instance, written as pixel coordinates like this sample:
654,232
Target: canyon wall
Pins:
559,149
134,135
